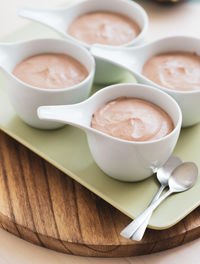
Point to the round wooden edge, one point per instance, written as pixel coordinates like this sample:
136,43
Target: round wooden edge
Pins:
126,250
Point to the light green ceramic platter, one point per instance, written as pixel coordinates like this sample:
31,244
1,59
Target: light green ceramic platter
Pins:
67,149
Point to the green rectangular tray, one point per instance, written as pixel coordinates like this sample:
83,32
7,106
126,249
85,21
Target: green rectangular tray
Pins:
67,149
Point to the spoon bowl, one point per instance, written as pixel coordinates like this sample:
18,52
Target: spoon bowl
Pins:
60,18
134,58
182,179
164,173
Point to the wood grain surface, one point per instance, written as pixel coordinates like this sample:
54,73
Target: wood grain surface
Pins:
44,206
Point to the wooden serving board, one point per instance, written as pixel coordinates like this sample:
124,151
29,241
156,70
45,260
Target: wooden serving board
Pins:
44,206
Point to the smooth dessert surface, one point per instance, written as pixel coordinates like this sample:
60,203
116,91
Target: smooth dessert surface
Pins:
174,70
132,119
102,27
51,71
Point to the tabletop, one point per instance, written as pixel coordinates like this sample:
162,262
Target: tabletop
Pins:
164,20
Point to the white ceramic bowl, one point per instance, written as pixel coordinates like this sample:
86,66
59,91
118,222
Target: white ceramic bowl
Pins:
60,18
26,98
134,58
121,159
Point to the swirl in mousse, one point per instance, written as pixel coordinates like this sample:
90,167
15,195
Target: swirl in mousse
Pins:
51,71
174,70
103,27
132,119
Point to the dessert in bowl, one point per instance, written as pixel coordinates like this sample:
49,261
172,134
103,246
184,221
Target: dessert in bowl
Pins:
118,156
132,119
113,22
173,66
103,27
43,72
51,71
174,70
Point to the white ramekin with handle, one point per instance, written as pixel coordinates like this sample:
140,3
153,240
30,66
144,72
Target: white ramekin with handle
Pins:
26,98
121,159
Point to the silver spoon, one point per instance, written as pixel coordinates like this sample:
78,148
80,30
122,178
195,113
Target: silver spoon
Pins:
182,179
163,175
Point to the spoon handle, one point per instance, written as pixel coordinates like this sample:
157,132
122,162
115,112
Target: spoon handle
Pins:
128,231
67,114
120,56
4,52
49,17
139,233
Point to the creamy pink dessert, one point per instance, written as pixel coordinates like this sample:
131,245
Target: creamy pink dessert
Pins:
104,28
174,70
51,71
132,119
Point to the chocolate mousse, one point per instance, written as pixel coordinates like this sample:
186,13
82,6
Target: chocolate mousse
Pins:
132,119
174,70
104,28
51,71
